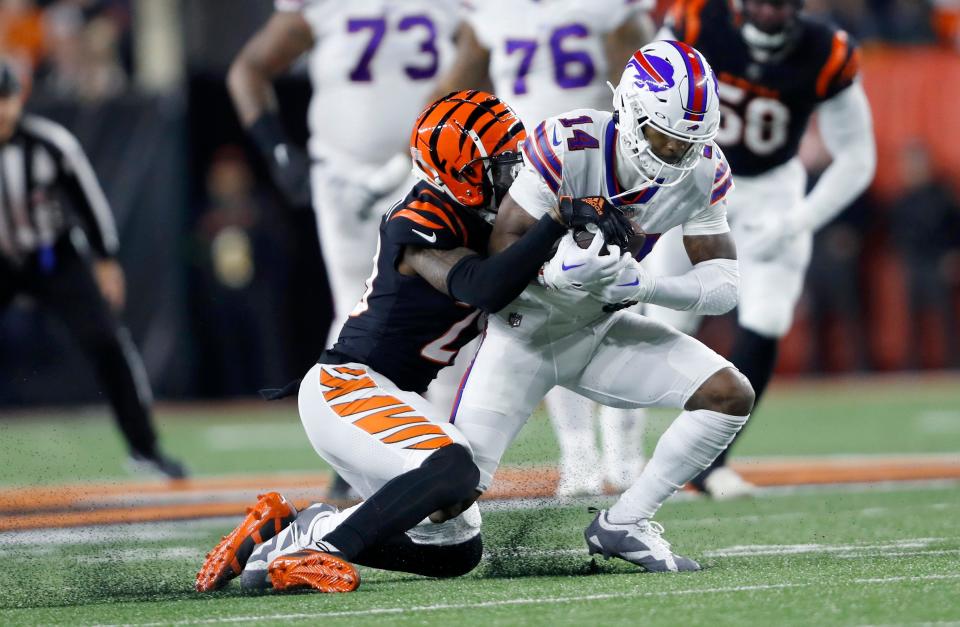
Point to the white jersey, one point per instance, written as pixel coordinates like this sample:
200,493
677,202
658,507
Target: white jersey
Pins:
373,65
549,56
575,154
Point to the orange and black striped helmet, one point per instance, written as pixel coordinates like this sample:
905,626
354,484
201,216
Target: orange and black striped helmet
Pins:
467,145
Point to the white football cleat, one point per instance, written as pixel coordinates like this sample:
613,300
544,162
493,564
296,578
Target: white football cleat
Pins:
315,521
725,483
639,543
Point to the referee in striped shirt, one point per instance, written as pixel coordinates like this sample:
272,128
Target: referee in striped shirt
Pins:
58,244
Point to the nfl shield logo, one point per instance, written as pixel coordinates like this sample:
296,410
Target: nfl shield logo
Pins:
514,319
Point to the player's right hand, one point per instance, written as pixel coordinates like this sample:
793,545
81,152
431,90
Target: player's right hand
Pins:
575,267
579,212
290,167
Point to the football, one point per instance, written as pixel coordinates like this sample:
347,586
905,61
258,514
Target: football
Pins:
584,235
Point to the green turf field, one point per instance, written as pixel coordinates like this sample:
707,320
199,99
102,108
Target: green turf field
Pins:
867,556
884,554
904,416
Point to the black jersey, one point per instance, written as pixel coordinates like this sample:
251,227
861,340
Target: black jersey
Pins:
765,106
403,327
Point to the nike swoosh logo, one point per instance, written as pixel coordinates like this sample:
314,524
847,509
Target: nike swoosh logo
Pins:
636,281
565,267
432,238
556,142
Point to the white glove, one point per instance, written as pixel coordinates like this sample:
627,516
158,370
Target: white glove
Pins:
577,267
357,191
771,232
632,284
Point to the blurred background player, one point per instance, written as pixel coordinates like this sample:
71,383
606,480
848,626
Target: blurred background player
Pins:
58,245
546,58
776,67
372,65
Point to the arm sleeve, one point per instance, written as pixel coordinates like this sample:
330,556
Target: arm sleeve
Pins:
492,283
710,288
847,130
87,199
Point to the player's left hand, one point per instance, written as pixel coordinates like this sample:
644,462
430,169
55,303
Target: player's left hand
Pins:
631,285
770,233
109,276
575,267
358,191
579,212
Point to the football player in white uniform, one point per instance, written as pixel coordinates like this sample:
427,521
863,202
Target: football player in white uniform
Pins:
372,63
655,158
776,67
546,57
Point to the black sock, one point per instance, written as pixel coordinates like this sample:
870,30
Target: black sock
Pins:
446,478
400,553
755,356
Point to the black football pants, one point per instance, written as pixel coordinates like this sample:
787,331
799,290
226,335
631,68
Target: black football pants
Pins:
65,286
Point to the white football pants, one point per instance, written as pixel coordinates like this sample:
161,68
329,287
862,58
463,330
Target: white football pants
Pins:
621,360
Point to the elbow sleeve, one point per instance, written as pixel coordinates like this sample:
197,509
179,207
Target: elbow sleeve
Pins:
711,288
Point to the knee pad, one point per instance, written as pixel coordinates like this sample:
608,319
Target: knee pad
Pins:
455,469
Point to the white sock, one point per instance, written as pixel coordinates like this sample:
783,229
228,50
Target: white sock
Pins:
621,432
572,418
321,526
691,444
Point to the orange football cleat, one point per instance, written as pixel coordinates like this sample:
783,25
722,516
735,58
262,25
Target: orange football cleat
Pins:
319,570
263,521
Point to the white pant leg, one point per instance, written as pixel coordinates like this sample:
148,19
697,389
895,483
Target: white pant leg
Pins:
444,389
574,426
669,258
769,289
640,362
348,244
621,445
368,429
509,377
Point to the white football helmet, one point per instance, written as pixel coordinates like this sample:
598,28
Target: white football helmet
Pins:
669,86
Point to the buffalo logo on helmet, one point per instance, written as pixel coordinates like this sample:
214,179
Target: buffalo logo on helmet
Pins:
651,72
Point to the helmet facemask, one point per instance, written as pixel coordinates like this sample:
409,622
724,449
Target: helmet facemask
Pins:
768,36
632,119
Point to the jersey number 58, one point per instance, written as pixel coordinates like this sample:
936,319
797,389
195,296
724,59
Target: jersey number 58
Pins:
760,123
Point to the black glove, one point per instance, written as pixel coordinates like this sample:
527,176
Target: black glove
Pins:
289,164
579,212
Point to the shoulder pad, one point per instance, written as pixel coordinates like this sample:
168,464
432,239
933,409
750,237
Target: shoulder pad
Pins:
714,174
547,146
427,220
686,17
841,61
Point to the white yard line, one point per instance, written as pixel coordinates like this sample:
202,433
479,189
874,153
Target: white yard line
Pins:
376,611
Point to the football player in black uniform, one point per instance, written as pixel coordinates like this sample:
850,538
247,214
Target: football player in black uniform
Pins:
362,404
776,67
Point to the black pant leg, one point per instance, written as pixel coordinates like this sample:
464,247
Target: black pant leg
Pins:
71,293
400,553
